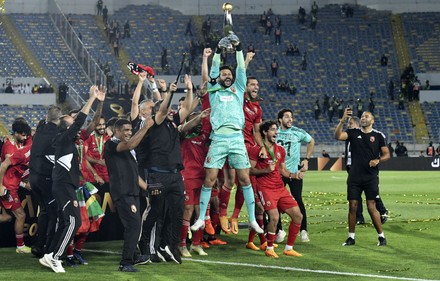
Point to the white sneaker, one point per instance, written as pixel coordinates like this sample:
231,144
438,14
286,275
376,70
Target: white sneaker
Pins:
184,252
280,236
254,225
48,261
304,236
198,249
199,224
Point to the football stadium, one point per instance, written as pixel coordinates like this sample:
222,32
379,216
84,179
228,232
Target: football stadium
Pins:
210,140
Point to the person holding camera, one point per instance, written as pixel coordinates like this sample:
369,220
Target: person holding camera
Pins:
368,149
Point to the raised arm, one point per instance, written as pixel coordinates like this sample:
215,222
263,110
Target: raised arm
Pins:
339,134
165,105
136,96
187,104
187,126
205,71
100,95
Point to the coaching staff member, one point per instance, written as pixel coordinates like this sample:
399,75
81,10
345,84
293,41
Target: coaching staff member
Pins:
65,176
124,184
368,149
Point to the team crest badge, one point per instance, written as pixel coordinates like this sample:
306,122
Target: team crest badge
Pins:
372,139
278,155
16,200
186,197
75,203
268,203
133,209
208,159
233,89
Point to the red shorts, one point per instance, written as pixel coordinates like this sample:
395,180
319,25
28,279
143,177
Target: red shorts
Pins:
11,202
192,191
279,198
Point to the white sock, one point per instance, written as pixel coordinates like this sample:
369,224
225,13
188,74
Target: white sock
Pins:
351,235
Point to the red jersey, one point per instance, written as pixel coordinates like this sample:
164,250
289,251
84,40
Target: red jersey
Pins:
194,151
273,179
87,176
94,146
10,146
19,168
253,114
206,122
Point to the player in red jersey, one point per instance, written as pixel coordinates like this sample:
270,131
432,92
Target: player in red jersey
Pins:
273,195
15,168
194,149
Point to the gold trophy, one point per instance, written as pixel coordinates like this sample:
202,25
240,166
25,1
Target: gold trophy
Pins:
228,31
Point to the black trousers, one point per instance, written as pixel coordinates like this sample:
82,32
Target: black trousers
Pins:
164,221
69,217
296,187
47,218
129,213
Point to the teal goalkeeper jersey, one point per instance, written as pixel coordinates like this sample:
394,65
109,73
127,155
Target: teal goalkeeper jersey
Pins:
291,140
227,104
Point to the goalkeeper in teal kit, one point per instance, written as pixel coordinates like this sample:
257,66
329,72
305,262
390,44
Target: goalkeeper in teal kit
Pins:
226,96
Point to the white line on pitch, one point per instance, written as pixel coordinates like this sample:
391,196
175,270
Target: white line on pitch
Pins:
285,268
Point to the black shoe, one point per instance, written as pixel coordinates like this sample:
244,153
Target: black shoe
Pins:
349,242
360,222
168,254
176,255
384,217
382,241
127,268
37,252
156,258
142,259
70,262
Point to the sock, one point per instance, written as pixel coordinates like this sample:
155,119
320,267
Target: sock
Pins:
293,233
270,239
197,237
260,222
248,194
80,240
225,194
69,250
351,235
239,200
381,235
205,196
184,232
20,241
251,235
288,248
215,219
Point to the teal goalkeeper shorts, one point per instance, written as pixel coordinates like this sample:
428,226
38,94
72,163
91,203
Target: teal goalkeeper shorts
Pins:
227,146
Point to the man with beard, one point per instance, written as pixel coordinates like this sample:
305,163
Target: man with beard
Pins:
291,137
94,151
13,168
227,119
65,177
368,149
124,184
271,189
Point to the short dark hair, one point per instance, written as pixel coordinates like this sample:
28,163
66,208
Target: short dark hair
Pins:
282,111
264,127
111,122
250,78
120,123
223,67
21,127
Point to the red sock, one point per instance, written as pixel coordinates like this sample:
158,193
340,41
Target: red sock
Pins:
184,232
69,251
19,238
80,240
293,232
225,194
239,200
270,239
260,222
197,237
